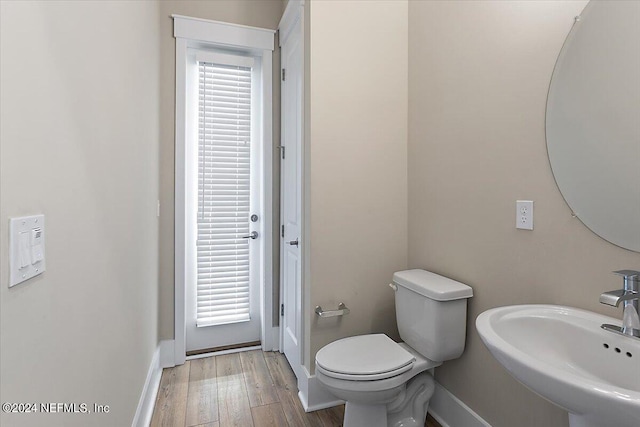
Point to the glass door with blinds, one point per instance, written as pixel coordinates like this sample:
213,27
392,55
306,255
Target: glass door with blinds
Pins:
223,287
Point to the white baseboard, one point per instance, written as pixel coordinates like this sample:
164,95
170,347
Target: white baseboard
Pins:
167,354
163,357
450,411
313,395
147,401
272,340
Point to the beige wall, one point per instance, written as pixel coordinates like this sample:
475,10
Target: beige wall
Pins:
79,102
358,163
478,79
257,13
79,143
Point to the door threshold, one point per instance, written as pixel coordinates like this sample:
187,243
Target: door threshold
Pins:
225,349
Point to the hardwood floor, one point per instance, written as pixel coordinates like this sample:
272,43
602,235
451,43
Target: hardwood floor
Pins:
252,388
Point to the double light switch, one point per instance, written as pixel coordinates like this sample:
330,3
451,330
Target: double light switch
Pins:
26,248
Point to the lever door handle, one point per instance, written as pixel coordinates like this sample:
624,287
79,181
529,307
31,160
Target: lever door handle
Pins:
293,243
252,235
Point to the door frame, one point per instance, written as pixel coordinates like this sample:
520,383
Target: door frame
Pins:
194,32
294,13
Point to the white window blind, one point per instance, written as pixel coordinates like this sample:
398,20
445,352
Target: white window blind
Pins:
224,132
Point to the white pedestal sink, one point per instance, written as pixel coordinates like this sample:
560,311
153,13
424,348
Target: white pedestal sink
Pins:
562,354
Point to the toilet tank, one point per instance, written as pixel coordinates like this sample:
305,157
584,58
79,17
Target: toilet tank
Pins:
431,312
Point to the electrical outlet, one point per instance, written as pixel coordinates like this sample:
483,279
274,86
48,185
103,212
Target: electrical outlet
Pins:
524,214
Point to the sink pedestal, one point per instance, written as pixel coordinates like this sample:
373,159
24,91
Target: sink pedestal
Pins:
586,421
583,421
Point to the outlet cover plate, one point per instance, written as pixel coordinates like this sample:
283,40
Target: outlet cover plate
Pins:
524,214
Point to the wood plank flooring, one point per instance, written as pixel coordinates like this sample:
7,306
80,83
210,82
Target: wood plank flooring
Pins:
252,388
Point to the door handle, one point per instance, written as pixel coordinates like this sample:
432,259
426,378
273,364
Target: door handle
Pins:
252,235
293,243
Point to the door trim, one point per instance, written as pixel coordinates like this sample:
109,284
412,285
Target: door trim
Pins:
195,32
294,13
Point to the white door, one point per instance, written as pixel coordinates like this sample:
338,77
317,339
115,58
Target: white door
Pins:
223,295
291,189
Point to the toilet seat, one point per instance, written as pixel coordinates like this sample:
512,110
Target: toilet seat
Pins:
364,358
368,377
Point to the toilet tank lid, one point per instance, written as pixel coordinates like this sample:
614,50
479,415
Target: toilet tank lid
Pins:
431,285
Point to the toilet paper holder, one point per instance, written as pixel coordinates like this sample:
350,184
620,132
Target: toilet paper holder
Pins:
341,311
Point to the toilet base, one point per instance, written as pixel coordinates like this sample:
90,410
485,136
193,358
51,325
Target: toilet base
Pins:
409,409
360,415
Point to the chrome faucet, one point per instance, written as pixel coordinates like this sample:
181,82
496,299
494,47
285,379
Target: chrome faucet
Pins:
630,296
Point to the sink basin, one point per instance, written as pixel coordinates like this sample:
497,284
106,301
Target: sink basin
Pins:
562,354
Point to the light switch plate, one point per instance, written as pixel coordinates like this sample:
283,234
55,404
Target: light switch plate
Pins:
27,250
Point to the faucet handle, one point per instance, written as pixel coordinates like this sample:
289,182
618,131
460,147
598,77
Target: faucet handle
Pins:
628,274
614,298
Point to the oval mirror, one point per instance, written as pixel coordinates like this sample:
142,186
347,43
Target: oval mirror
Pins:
593,121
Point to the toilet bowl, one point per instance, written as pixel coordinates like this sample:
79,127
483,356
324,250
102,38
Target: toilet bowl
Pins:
385,383
382,389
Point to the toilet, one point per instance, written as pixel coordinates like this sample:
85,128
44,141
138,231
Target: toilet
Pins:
385,383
